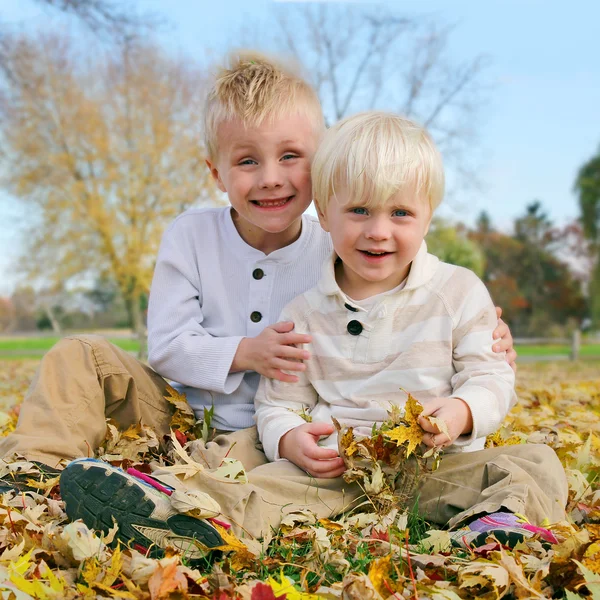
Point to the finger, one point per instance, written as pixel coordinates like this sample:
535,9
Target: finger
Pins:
331,474
292,352
290,339
432,440
283,326
430,407
287,365
319,428
503,345
281,376
317,453
426,425
501,330
323,468
511,358
498,311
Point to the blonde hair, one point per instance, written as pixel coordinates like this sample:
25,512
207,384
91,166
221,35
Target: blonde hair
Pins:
254,88
373,155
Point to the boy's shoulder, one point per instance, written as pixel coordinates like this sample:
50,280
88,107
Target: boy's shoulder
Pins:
198,217
456,285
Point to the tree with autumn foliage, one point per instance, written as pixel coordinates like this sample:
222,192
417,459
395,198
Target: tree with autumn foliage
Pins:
106,149
536,288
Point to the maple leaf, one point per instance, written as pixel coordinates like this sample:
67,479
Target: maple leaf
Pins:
410,434
165,580
262,591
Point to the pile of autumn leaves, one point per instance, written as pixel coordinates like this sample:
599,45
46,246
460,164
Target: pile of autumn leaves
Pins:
377,551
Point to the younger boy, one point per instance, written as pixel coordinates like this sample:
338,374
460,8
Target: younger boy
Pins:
385,317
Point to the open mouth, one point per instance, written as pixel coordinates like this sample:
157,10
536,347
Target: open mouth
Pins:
374,254
275,203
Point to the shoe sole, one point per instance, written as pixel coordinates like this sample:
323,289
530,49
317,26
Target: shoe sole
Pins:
99,496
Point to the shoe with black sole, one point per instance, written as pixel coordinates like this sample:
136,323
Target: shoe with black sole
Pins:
101,495
19,481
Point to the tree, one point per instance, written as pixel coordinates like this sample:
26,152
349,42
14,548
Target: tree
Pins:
587,186
452,246
106,149
536,288
361,59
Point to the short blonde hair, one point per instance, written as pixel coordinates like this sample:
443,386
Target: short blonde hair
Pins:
254,88
373,155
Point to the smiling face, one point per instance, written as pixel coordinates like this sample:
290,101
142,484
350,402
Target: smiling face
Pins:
376,243
265,171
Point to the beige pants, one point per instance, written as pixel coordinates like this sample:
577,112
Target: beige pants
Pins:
84,379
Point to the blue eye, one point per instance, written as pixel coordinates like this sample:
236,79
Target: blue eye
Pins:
289,156
359,210
400,213
248,161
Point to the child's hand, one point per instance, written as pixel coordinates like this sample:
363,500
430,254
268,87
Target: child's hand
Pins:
454,411
299,445
505,341
273,351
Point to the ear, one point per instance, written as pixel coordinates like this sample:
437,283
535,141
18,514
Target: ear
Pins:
214,171
322,217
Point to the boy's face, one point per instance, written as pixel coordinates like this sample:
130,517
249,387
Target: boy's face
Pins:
377,244
265,171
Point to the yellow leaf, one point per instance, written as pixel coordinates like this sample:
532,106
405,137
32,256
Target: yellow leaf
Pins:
232,543
286,586
379,573
411,434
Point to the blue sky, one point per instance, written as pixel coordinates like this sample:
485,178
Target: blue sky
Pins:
541,123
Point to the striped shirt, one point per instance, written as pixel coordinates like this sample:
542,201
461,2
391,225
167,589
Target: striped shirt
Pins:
432,338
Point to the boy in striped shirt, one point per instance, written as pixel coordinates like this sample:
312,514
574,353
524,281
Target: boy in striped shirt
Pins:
388,318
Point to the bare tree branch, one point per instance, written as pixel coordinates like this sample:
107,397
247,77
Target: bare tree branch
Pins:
104,17
360,59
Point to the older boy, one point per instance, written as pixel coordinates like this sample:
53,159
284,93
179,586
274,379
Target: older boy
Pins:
385,315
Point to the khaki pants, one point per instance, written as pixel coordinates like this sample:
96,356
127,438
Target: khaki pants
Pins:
527,479
84,379
81,381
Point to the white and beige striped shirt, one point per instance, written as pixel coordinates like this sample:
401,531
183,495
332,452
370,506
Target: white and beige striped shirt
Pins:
432,338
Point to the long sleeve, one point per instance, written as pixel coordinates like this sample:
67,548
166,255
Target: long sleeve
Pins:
278,405
180,348
483,378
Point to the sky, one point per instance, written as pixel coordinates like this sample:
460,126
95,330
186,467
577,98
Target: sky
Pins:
540,124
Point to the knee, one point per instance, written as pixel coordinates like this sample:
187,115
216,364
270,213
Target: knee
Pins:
73,342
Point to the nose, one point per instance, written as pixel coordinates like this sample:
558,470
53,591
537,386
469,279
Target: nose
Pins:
378,228
271,176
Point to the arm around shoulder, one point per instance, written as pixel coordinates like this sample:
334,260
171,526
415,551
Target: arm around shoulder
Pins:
483,378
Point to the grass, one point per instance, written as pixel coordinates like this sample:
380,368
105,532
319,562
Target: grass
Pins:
587,350
34,347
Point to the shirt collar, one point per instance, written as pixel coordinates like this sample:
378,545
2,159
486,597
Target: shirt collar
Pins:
282,255
421,271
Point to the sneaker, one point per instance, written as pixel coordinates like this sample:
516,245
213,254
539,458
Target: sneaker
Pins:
508,528
24,480
102,495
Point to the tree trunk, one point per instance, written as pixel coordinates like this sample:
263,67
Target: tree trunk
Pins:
137,324
53,320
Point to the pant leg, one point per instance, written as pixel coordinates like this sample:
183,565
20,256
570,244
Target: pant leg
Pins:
527,479
242,445
81,381
274,490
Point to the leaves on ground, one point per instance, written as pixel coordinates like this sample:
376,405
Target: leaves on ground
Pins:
379,551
